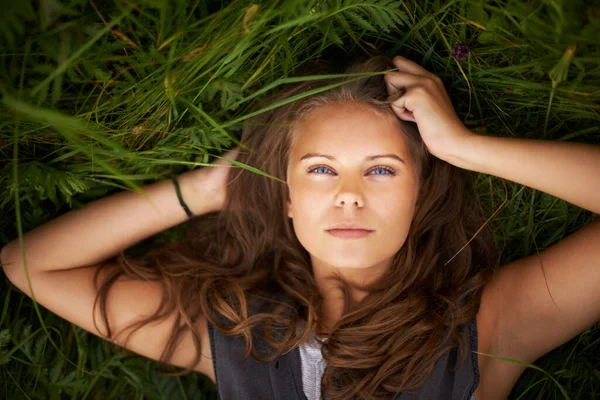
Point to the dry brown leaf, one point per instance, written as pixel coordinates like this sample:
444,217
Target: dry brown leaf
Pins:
250,12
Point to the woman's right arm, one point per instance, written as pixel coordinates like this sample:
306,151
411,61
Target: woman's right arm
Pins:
108,225
63,255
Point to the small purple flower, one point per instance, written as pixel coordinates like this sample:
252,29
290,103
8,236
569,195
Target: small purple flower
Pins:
460,52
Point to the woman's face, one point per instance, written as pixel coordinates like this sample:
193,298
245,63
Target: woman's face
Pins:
378,194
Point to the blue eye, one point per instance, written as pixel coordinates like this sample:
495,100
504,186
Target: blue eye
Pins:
316,168
391,171
388,171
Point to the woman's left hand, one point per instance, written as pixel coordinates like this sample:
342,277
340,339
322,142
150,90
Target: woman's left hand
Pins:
425,102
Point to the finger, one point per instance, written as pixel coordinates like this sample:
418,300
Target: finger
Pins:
230,155
403,114
399,109
233,154
400,81
406,65
406,116
408,102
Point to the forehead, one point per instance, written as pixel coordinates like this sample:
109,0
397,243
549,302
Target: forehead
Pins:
348,128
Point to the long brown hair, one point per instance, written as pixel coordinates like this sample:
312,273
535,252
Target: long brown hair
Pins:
248,254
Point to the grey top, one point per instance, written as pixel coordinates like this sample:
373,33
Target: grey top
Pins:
239,378
313,367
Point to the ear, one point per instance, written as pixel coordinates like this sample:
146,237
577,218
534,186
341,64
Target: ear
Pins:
288,205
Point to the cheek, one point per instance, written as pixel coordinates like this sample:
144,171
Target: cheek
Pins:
395,214
397,204
305,191
306,221
307,202
304,200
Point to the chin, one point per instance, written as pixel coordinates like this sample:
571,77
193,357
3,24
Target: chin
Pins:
349,263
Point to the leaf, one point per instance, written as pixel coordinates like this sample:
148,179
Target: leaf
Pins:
329,33
63,66
382,19
51,10
168,41
123,37
477,13
16,21
489,36
4,340
48,182
559,72
29,343
40,346
56,370
250,12
390,14
360,21
69,380
201,114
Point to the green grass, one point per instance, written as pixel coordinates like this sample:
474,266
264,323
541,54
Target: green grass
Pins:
102,96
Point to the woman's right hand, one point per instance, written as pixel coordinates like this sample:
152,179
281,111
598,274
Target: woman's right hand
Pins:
209,185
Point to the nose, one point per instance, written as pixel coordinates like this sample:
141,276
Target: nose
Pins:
349,195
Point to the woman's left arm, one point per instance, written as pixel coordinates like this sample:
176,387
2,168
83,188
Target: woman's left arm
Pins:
567,170
539,302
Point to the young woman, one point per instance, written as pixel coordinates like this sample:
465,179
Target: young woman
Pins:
360,268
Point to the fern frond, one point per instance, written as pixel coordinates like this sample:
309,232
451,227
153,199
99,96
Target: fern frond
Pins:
360,21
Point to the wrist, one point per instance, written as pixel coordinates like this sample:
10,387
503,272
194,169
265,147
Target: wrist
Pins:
195,193
462,145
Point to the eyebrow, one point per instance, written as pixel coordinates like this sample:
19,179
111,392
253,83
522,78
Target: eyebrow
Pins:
369,158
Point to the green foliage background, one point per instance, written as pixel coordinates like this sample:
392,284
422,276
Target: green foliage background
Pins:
102,96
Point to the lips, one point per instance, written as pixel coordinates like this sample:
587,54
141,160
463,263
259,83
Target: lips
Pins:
349,233
348,226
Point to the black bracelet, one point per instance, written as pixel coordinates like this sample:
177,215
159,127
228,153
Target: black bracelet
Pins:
185,207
